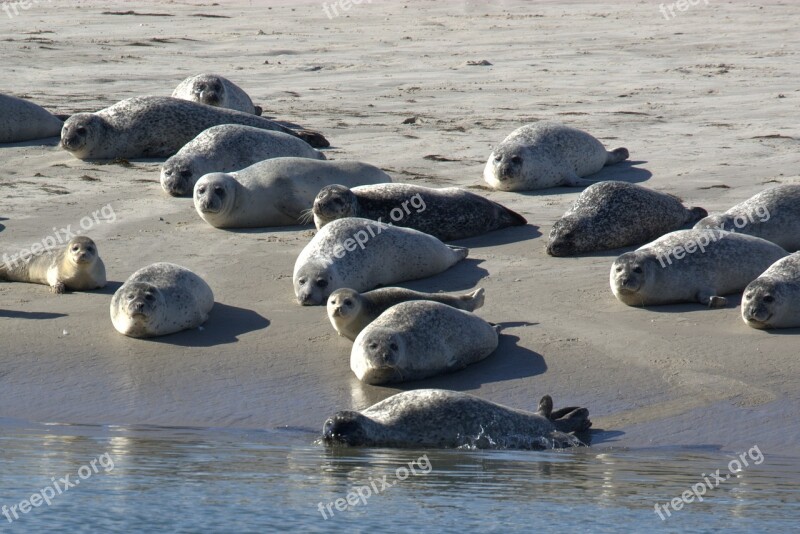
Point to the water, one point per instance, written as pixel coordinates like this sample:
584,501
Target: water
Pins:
195,480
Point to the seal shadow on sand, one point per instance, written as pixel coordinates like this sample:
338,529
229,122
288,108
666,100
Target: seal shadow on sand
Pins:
512,234
621,172
14,314
46,141
224,326
734,301
462,276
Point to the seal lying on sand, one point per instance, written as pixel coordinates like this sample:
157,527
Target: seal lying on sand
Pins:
350,311
226,148
76,267
773,215
156,127
609,215
448,214
161,299
21,120
417,339
437,418
214,90
773,299
363,254
547,154
691,266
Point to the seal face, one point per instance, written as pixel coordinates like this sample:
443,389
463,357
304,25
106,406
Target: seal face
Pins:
436,418
215,90
448,214
547,154
773,299
363,254
350,311
612,214
418,339
21,120
161,299
691,266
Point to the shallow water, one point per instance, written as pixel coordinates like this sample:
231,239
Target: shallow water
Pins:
192,480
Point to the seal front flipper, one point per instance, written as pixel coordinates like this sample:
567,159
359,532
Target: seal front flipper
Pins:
575,421
617,155
711,300
315,139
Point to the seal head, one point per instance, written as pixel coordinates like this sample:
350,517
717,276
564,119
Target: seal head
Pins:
335,202
83,130
141,305
312,282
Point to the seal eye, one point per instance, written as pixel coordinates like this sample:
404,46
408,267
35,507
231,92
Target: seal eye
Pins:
322,283
131,296
186,173
619,269
75,248
302,281
80,131
373,346
348,302
516,160
769,298
498,159
637,270
219,190
393,346
149,297
201,189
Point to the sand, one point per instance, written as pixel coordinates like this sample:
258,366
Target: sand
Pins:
706,103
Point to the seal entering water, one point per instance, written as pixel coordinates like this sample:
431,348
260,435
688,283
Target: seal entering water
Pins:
773,299
215,90
437,418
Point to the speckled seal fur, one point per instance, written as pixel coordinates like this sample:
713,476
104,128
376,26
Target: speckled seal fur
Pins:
21,120
773,299
362,254
450,213
547,154
665,272
160,299
350,311
773,214
274,192
418,339
154,126
439,419
215,90
609,215
226,148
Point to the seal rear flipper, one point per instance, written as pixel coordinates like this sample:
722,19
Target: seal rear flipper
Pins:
315,139
617,155
475,299
546,407
512,218
711,300
258,110
697,214
463,252
575,421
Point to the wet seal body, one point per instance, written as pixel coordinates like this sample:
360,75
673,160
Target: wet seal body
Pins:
227,148
160,299
275,192
612,214
773,299
437,418
215,90
21,120
154,126
350,311
773,214
691,266
547,154
361,254
418,339
76,267
448,214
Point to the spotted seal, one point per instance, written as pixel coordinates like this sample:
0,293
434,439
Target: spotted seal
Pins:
215,90
22,120
773,299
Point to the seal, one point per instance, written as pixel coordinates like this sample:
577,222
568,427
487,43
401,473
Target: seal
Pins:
21,120
160,299
773,299
76,267
155,126
215,90
350,311
418,339
448,214
773,214
275,192
609,215
439,419
363,254
547,154
691,266
226,148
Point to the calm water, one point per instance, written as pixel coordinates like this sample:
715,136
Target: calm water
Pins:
187,480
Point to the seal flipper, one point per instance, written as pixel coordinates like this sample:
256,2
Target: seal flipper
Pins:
711,300
258,110
475,299
575,421
315,139
697,214
511,217
463,252
545,407
617,155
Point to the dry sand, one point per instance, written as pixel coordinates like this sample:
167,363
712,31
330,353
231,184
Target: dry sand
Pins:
706,103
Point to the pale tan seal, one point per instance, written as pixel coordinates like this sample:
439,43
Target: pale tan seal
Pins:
773,299
350,311
76,267
21,120
215,90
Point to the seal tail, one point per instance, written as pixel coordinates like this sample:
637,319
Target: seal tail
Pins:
697,214
462,252
315,139
576,420
512,218
475,299
258,110
617,155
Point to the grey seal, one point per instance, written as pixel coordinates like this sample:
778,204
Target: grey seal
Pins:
226,148
21,120
350,311
448,214
160,299
773,299
547,154
691,266
215,90
155,126
362,254
437,418
418,339
274,192
612,214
